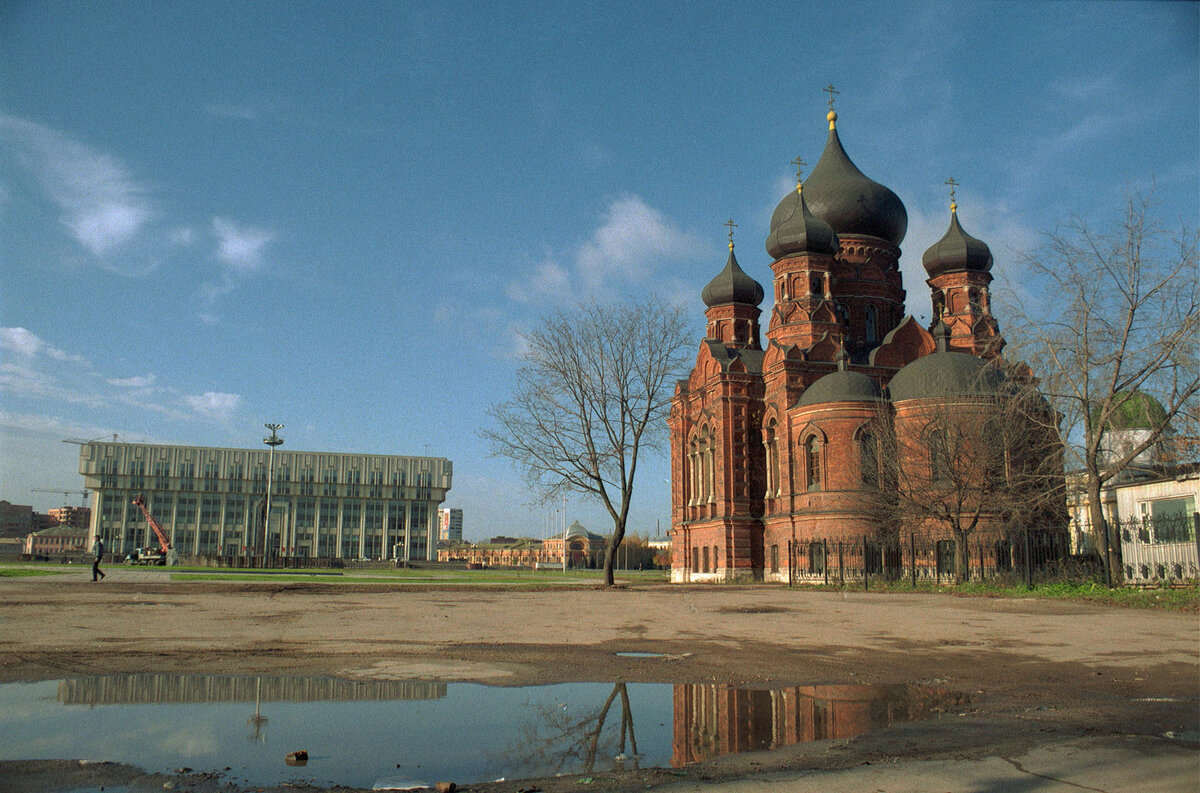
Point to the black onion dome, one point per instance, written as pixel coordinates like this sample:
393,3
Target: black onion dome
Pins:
842,196
795,229
732,285
841,386
957,250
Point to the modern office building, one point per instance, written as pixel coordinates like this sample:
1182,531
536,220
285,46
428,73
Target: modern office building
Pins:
213,502
450,524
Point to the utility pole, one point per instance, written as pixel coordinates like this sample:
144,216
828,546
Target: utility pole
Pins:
272,441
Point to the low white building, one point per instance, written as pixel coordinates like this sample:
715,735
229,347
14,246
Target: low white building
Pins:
1154,519
1158,527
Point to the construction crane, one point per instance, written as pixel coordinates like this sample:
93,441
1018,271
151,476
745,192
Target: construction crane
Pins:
82,442
168,555
66,494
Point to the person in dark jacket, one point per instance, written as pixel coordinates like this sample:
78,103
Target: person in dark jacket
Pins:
98,549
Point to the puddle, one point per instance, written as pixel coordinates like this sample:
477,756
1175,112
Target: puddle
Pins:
635,654
364,733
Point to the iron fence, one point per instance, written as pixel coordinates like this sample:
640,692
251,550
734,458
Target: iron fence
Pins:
1031,556
1150,552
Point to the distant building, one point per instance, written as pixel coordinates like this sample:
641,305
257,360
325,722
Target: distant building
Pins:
498,552
450,524
57,541
212,501
582,547
11,548
76,517
16,520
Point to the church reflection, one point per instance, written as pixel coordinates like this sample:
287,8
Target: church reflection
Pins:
714,720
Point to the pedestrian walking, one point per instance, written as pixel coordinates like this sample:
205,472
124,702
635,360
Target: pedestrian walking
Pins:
98,549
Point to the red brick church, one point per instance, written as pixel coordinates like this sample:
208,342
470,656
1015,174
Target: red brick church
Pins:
771,444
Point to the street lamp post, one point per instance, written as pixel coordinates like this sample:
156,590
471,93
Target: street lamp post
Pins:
272,441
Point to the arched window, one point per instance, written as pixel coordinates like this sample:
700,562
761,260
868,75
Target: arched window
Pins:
704,565
995,454
693,467
709,487
869,325
812,462
771,442
817,289
939,456
869,459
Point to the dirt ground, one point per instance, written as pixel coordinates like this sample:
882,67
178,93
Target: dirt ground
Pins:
1063,695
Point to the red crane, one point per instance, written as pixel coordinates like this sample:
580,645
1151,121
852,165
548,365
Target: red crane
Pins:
140,502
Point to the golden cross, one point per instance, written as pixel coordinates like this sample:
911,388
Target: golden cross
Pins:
731,226
799,163
829,90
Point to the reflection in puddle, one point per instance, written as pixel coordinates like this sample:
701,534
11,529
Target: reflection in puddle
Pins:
715,720
358,733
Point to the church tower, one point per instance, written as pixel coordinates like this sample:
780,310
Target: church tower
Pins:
959,268
870,222
716,429
732,299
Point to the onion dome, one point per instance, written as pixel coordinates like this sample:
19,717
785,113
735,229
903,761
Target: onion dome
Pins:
841,386
842,196
957,250
945,374
732,285
795,229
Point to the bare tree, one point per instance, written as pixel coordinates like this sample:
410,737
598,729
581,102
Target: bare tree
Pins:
957,465
1122,325
593,394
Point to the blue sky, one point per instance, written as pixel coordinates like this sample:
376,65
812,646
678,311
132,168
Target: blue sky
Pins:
340,216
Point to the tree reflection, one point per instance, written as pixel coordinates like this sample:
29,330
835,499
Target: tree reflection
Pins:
559,741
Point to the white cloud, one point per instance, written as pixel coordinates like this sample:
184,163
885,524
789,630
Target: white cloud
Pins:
214,404
143,381
632,236
182,236
629,246
28,345
547,278
240,247
25,382
102,205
